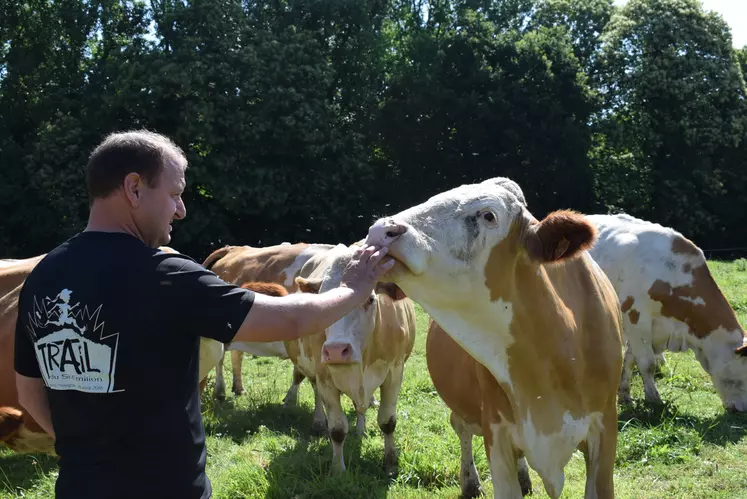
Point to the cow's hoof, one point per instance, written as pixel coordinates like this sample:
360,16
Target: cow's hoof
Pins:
239,393
472,490
391,465
337,470
525,483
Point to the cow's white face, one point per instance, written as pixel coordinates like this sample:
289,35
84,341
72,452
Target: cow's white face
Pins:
727,367
447,240
347,338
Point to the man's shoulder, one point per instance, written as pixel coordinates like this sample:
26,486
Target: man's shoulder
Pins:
168,261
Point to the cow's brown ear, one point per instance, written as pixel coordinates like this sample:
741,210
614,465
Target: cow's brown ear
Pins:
391,290
307,286
561,235
741,350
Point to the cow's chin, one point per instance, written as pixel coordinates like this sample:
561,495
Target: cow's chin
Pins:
348,378
398,272
409,260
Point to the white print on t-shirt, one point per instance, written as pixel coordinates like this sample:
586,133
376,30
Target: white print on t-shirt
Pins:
71,346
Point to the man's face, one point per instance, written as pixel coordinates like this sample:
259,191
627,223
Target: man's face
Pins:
161,205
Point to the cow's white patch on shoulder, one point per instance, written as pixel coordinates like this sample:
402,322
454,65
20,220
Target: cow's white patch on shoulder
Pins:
486,337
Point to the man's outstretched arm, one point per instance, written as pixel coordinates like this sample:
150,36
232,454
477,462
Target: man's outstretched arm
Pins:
299,314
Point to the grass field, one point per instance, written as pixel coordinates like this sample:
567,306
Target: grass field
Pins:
690,448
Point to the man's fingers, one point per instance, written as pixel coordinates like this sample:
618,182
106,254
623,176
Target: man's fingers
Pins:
377,256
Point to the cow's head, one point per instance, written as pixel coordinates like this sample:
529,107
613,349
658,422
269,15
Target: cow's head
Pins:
449,248
347,338
727,366
457,255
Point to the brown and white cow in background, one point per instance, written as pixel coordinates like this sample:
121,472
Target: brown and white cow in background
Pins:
525,300
243,264
365,350
670,301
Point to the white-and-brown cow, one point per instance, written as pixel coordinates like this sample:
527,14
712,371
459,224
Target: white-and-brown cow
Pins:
365,350
670,301
239,265
525,300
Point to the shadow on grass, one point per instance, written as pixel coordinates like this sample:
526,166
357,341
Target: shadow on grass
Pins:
718,430
20,472
303,471
237,421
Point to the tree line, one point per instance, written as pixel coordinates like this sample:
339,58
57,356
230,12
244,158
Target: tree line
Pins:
302,120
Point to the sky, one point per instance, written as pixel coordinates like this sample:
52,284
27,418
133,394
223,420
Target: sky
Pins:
734,13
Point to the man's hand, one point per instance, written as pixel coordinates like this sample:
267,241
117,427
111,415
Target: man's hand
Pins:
273,318
365,269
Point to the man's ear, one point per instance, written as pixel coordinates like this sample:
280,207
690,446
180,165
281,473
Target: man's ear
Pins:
307,286
561,235
133,185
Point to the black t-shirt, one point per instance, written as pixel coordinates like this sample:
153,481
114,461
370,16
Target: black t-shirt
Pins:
113,327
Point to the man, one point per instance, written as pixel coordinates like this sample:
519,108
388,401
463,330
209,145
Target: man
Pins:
107,339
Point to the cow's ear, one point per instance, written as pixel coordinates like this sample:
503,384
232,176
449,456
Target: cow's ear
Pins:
561,235
742,351
307,286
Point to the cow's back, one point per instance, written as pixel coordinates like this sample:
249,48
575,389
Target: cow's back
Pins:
278,264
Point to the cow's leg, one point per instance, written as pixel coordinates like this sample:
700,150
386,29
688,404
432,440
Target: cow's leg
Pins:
599,454
360,423
503,470
643,352
525,481
219,390
468,476
338,425
623,392
237,359
291,398
387,415
319,424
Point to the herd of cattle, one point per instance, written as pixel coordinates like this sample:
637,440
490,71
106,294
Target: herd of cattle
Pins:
533,330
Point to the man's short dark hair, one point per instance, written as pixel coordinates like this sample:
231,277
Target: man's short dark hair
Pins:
140,151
